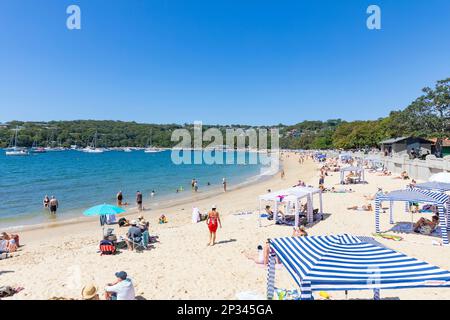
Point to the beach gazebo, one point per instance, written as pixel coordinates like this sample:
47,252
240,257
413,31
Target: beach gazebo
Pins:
440,200
373,162
345,262
292,196
358,170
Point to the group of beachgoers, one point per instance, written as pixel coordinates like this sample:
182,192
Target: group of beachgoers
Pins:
51,203
8,244
121,288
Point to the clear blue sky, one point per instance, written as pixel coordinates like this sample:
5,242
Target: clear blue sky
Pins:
219,61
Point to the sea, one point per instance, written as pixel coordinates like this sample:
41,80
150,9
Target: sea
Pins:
81,180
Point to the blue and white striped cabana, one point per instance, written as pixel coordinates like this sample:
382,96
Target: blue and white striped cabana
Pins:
357,170
346,262
434,186
440,200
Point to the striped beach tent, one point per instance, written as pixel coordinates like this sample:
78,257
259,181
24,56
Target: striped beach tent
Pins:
440,200
346,262
434,186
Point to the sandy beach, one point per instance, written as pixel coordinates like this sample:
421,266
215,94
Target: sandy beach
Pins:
59,261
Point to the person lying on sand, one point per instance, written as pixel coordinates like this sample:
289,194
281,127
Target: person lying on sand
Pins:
426,226
385,173
404,176
372,196
361,208
334,190
299,232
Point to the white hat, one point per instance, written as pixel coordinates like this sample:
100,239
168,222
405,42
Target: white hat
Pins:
133,222
213,206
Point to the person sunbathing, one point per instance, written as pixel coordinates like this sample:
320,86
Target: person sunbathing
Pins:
8,242
404,176
361,208
299,232
426,226
385,173
262,255
270,213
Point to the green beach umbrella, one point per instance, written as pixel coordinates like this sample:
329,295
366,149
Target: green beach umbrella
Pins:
103,209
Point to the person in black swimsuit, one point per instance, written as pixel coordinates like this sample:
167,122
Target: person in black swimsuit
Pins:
53,205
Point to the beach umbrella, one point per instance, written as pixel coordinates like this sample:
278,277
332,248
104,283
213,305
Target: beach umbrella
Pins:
103,209
440,177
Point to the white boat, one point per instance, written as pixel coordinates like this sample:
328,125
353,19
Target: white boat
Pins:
15,151
149,148
127,150
93,148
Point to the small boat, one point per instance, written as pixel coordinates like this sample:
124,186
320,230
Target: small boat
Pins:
93,147
15,151
127,150
150,148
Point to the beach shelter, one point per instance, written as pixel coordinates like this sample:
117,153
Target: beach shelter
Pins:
104,211
358,170
434,186
292,196
345,262
373,162
440,200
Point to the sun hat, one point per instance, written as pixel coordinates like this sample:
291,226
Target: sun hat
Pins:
121,275
141,217
213,206
133,222
89,291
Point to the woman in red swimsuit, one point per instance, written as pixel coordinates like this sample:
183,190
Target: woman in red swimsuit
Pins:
213,220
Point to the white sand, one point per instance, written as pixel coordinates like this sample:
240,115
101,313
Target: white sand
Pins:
59,261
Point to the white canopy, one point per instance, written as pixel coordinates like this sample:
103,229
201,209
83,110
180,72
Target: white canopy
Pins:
292,196
440,177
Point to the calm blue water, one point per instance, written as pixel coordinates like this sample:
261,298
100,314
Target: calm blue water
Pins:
80,180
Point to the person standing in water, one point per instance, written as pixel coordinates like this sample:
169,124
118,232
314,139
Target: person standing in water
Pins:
213,221
46,201
224,182
282,173
195,186
53,205
139,200
119,198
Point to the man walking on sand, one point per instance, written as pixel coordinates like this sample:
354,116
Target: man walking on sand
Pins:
139,200
213,221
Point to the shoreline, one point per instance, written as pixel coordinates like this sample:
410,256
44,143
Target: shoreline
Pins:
165,202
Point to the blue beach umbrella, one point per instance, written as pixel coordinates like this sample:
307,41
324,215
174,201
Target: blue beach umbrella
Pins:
103,209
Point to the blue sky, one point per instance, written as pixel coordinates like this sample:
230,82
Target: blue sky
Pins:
218,61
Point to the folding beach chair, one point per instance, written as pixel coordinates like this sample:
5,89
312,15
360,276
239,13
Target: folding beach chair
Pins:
107,249
143,243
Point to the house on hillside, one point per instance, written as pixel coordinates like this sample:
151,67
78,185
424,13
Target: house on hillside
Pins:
406,145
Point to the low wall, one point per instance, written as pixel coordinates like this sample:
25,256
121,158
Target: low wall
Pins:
416,169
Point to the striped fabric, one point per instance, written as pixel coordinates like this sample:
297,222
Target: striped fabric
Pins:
441,200
348,263
271,275
434,186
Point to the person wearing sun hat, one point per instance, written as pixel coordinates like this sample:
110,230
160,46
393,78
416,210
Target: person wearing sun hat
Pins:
134,234
90,292
121,289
